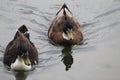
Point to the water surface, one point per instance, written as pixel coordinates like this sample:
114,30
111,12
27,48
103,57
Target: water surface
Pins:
96,59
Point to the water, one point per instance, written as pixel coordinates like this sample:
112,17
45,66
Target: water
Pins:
96,59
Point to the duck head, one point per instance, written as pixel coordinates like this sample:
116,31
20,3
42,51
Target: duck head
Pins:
68,30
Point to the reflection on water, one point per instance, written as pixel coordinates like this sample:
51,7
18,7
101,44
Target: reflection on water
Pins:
20,76
67,57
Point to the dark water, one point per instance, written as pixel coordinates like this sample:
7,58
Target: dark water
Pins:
98,58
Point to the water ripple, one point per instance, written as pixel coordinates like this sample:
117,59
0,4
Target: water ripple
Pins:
108,13
94,30
27,7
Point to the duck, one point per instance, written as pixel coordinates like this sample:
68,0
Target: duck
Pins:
65,29
20,53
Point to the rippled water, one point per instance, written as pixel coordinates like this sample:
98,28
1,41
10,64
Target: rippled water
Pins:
96,59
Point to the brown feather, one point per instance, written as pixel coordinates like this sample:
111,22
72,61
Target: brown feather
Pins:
56,29
11,49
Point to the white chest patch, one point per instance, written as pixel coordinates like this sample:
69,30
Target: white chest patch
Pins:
64,36
20,65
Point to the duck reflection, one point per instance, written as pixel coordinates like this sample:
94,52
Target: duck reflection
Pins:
20,76
67,57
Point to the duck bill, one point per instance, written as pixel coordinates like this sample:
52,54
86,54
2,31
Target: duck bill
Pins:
69,34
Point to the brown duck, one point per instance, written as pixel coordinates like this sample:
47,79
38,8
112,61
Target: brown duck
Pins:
21,53
65,29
